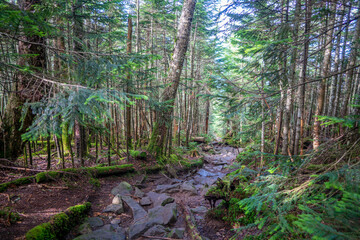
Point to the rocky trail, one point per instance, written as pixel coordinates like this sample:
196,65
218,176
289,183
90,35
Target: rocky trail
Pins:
161,207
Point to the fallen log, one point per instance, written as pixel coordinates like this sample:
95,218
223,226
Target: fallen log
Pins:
191,228
199,139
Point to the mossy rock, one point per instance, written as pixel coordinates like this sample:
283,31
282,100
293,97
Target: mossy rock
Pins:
60,224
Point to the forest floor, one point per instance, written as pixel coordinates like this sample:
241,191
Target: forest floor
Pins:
36,203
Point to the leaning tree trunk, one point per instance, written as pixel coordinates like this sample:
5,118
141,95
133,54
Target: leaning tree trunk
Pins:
160,130
32,53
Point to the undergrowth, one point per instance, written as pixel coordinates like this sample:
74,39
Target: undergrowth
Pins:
313,197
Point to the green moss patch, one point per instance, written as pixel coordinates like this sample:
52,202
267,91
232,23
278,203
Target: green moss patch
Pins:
60,224
16,182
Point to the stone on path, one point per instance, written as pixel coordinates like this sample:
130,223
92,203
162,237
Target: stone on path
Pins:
145,201
90,224
158,199
168,188
205,173
177,233
123,189
199,209
137,211
160,215
103,234
138,193
117,199
114,208
157,230
188,187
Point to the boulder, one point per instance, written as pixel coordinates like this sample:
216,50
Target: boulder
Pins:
157,230
95,222
138,193
145,201
188,188
158,199
123,189
168,188
103,234
160,215
114,208
137,211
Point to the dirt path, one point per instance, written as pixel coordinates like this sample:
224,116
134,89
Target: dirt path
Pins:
148,206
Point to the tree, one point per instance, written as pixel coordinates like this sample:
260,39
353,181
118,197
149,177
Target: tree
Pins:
161,127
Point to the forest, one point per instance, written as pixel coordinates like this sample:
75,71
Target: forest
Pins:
179,119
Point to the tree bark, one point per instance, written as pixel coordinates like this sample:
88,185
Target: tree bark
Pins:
156,144
324,72
32,53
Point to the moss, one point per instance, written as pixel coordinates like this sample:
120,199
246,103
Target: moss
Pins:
95,182
47,176
16,182
60,224
40,232
153,169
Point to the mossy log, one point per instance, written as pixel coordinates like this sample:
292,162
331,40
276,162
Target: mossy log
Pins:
17,182
60,224
48,176
92,171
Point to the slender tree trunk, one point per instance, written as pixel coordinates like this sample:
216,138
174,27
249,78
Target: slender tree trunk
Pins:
128,90
351,66
325,72
301,89
160,129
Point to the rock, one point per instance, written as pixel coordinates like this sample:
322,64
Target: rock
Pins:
117,199
167,201
137,210
168,188
123,189
189,188
138,193
115,221
102,234
90,224
164,215
157,230
158,199
114,208
84,228
145,201
199,209
177,233
205,173
95,222
114,228
160,215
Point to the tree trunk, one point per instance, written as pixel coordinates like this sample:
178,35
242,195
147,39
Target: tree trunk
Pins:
301,90
156,144
32,53
325,72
